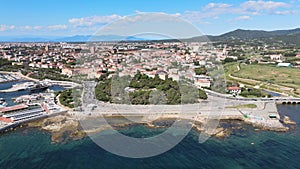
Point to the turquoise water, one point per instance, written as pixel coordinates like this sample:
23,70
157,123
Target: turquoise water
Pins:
32,148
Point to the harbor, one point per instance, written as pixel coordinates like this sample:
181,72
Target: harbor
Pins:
3,102
32,87
14,116
8,78
26,101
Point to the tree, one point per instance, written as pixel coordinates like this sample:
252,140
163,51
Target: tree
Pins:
228,60
147,91
200,71
196,63
202,94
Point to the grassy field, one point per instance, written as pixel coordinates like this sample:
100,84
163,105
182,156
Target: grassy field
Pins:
231,68
270,77
250,106
271,74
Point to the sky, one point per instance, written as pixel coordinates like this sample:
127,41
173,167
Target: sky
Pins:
78,17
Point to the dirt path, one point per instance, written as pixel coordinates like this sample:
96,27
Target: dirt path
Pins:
260,83
251,81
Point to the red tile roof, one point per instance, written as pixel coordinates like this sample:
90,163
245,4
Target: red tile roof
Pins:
7,120
13,108
233,88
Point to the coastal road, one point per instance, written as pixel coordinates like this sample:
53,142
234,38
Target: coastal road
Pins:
208,112
214,107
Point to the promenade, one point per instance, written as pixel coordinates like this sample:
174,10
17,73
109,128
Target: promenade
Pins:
215,108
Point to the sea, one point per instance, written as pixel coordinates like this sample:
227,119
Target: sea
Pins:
247,147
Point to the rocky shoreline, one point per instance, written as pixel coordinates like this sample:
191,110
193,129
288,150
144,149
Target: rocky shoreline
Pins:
287,120
66,127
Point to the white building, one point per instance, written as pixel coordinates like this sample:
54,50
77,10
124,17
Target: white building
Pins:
202,81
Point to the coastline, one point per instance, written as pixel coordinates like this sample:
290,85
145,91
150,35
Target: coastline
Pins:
59,125
70,123
247,143
64,127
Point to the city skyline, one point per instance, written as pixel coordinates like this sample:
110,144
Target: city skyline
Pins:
54,18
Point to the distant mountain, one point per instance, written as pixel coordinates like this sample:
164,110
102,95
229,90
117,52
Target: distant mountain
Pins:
37,39
286,36
24,39
251,34
77,38
288,39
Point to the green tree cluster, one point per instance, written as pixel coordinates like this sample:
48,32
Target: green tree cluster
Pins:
6,65
66,98
254,92
201,70
228,60
46,73
147,90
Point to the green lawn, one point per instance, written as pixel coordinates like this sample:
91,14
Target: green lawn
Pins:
270,76
251,106
269,73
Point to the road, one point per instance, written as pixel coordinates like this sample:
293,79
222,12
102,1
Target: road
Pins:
272,99
206,111
214,106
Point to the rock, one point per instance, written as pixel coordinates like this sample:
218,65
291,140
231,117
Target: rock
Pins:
287,120
198,128
219,132
224,133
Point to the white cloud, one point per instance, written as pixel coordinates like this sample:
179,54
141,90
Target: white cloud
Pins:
38,27
93,20
211,11
6,27
216,6
260,6
57,27
26,27
285,12
251,7
240,18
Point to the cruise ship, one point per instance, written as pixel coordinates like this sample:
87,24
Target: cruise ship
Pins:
36,87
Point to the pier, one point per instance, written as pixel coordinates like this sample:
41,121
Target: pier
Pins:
8,78
66,84
28,86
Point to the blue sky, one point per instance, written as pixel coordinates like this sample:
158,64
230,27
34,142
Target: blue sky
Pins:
67,18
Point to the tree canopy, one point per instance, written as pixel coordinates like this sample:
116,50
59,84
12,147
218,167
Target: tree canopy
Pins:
146,90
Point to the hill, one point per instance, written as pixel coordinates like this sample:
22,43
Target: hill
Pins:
255,34
285,36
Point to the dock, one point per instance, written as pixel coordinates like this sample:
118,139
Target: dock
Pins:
28,86
8,78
